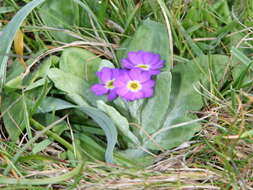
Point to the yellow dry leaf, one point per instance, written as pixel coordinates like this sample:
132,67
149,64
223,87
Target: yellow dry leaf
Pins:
19,46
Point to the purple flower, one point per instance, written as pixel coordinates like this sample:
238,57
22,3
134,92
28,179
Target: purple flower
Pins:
107,77
146,61
134,84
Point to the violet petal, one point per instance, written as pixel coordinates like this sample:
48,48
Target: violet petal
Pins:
106,74
112,95
99,89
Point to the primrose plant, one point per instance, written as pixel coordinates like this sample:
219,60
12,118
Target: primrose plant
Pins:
134,81
150,105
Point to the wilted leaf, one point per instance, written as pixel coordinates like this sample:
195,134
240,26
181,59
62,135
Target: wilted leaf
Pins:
19,46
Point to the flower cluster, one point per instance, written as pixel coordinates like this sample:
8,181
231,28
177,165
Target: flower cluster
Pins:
132,82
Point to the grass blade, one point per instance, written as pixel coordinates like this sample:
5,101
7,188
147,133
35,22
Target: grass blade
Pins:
43,181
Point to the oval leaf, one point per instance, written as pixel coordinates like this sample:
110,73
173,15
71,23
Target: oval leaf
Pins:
71,84
80,63
156,107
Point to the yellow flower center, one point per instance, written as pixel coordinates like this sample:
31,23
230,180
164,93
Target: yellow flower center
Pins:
109,84
134,85
143,66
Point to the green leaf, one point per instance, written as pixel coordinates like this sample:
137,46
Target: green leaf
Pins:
78,99
71,84
180,124
16,79
60,15
41,146
244,77
14,119
155,110
47,119
50,104
14,72
122,106
90,147
89,130
183,99
77,90
45,66
242,72
107,125
9,33
240,56
41,71
15,83
105,63
36,84
120,121
80,63
27,112
150,36
135,108
248,133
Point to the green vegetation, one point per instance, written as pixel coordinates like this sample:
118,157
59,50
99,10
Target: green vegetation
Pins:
195,133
